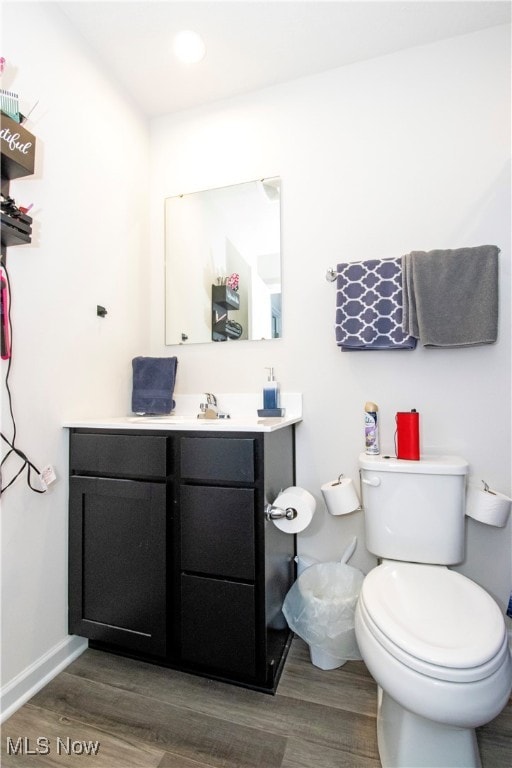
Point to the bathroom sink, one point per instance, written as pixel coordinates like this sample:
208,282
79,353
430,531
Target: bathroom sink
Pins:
190,421
166,419
244,423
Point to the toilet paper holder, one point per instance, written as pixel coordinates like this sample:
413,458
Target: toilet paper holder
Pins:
487,489
278,513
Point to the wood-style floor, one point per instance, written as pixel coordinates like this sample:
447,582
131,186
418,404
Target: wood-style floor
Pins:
144,716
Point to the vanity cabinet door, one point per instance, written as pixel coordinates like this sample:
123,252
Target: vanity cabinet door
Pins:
217,531
117,556
218,625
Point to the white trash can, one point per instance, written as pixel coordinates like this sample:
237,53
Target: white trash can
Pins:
320,608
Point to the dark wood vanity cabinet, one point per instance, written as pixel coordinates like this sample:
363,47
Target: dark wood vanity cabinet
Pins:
171,557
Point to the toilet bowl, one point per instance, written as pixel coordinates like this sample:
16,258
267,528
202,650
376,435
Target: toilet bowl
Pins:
436,644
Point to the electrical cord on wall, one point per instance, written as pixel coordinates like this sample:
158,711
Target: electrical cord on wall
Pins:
13,449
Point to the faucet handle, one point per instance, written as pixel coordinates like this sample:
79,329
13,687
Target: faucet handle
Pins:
210,398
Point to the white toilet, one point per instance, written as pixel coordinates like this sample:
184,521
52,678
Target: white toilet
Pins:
434,641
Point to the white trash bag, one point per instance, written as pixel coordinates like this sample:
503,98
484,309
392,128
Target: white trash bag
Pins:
320,608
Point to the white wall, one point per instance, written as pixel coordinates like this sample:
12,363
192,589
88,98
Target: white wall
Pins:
409,151
90,201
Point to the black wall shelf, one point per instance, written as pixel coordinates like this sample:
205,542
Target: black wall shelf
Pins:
18,149
16,231
223,299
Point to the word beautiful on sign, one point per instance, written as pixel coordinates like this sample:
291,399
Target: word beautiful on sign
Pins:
13,141
18,149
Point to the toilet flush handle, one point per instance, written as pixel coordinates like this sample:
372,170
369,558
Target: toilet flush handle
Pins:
375,481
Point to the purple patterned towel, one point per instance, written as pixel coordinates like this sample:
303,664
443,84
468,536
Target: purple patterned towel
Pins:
369,306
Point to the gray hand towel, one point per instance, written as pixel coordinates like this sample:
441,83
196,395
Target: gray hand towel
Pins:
450,297
153,384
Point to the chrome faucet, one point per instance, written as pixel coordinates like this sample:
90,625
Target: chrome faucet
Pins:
209,410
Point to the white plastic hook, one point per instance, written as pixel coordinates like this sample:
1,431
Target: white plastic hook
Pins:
349,551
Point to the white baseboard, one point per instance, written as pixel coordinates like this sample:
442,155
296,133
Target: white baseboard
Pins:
25,685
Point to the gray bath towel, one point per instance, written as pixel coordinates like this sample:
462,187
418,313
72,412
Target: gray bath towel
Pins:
450,297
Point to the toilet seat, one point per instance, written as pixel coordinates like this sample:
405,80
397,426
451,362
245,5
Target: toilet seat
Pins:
435,621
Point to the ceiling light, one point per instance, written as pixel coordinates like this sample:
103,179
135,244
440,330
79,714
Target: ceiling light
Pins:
189,47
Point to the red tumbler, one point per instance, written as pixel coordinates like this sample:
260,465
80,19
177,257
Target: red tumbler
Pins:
408,435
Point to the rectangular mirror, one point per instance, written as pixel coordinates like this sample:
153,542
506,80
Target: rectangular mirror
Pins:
223,264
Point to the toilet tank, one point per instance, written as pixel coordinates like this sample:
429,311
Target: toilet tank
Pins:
414,510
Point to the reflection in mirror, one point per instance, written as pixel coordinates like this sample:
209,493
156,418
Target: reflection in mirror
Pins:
223,264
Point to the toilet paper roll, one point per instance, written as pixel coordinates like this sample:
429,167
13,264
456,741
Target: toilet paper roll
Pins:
340,496
299,499
488,507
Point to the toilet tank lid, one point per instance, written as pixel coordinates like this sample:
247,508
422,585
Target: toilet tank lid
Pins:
427,465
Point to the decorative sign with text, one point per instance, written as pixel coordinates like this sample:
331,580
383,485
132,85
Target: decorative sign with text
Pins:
18,149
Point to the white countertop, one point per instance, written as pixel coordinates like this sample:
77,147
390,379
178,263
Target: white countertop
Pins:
242,410
175,424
